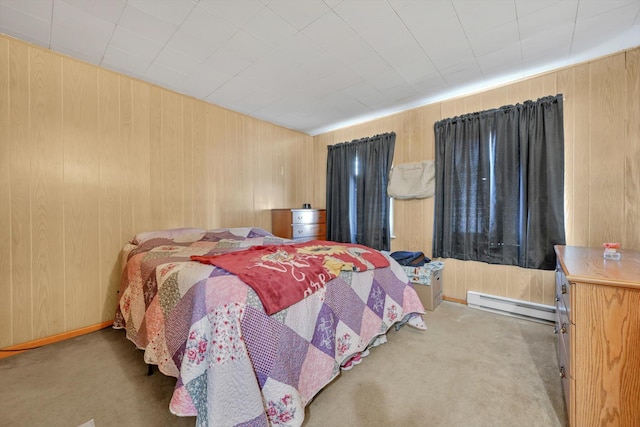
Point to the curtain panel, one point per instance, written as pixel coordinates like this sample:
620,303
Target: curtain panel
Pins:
358,207
500,185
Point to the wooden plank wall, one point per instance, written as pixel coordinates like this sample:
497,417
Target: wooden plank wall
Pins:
89,157
602,167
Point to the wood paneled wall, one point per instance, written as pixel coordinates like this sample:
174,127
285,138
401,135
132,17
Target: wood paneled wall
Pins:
602,167
89,157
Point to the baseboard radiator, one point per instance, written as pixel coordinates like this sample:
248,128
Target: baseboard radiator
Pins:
512,307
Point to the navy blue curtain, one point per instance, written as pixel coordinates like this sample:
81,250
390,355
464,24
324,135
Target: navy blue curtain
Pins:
500,185
357,203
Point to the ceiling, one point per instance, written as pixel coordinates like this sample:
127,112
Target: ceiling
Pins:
316,65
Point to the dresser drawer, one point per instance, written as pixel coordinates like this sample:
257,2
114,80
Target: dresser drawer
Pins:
306,216
563,291
563,329
309,230
299,224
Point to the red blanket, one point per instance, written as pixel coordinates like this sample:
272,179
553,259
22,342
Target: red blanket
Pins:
282,275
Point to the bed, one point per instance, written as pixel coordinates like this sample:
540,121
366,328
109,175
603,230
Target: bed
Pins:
236,364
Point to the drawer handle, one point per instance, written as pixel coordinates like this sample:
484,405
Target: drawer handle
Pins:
557,298
300,231
563,374
564,288
300,218
563,329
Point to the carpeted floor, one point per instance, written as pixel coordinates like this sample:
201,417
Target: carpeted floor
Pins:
470,368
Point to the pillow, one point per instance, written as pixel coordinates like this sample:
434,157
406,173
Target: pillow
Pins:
173,233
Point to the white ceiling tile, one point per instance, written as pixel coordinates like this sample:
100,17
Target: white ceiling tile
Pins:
167,11
150,27
559,14
206,26
432,86
24,26
352,49
247,47
332,3
132,42
191,45
386,79
317,31
547,46
298,13
590,8
237,12
264,70
508,57
316,89
432,20
451,54
342,102
301,48
260,99
351,11
109,11
165,76
320,67
359,90
388,35
204,80
432,23
227,62
604,28
632,37
478,17
80,32
370,67
398,93
527,7
401,55
177,61
415,71
40,9
494,38
134,64
463,73
400,4
234,91
374,100
335,81
269,27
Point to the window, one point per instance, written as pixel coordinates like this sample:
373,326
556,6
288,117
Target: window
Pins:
499,185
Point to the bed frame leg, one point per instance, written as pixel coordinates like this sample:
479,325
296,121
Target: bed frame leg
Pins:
149,369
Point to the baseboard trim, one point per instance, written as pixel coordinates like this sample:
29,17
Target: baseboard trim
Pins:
29,345
458,300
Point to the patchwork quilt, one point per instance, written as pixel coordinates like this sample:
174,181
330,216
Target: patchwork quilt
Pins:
236,365
282,275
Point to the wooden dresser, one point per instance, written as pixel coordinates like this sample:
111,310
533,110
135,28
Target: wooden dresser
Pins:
299,224
598,326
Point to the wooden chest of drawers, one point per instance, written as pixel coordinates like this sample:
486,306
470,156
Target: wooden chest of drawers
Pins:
598,326
299,224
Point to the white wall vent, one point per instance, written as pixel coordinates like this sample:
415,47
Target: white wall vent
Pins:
512,307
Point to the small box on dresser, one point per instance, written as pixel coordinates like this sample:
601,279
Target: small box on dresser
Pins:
299,224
